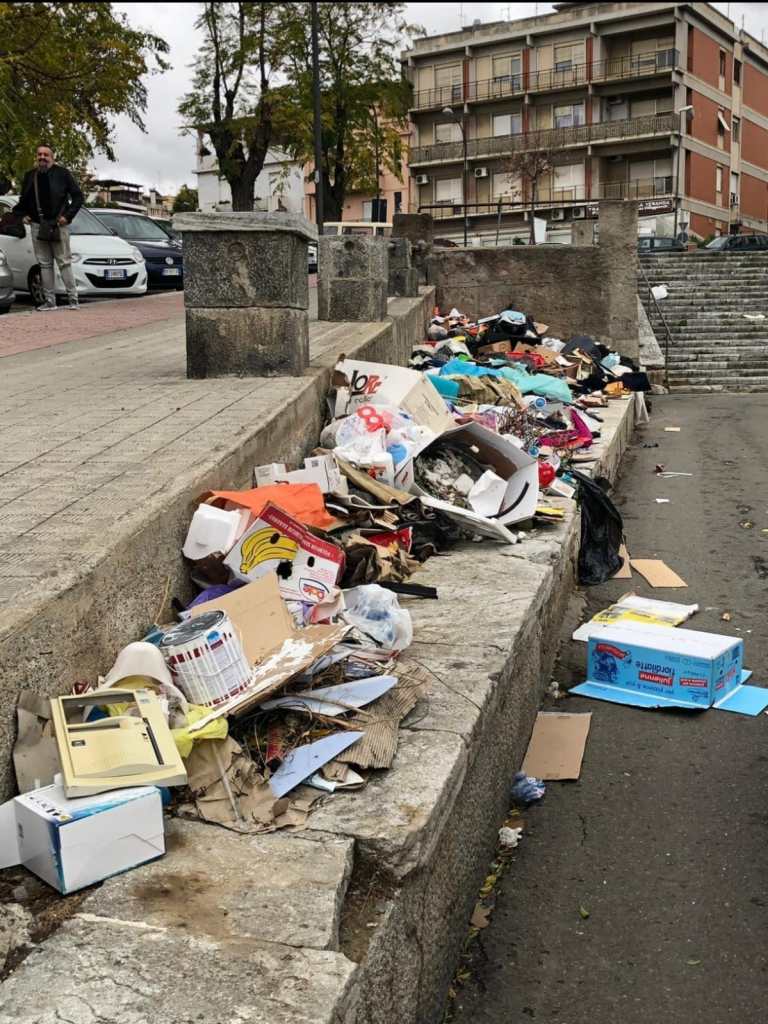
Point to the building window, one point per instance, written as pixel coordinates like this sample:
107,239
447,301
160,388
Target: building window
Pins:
737,72
568,182
448,190
736,128
569,116
448,81
722,63
718,184
398,202
447,131
565,57
507,70
375,210
507,124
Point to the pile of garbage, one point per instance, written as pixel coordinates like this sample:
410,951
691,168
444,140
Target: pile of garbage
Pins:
287,674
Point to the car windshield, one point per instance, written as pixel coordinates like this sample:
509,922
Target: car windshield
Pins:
167,229
85,223
134,229
718,243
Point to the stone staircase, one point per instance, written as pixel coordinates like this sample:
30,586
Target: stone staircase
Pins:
713,346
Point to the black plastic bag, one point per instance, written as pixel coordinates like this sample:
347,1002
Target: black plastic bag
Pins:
602,533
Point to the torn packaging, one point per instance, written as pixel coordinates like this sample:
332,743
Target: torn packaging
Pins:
35,753
259,810
392,385
272,643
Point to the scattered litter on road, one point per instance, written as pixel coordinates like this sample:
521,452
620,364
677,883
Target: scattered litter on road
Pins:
662,501
510,837
632,609
556,747
657,574
583,912
527,790
672,430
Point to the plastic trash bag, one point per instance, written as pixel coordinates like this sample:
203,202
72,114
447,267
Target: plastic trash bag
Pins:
377,613
602,533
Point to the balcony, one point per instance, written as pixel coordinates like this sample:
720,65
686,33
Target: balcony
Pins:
614,69
546,139
648,189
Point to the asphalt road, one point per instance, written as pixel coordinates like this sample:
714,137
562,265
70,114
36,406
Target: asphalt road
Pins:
664,839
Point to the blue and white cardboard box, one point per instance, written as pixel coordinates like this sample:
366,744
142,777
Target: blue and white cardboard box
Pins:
660,666
71,843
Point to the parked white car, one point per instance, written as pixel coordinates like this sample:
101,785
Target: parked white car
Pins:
102,263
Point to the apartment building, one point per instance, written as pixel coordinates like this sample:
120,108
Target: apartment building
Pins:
661,102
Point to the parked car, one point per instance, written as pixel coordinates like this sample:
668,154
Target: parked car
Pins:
660,243
162,255
7,293
738,243
102,263
165,225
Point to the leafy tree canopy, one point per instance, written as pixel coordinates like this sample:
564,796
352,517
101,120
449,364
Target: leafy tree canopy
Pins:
185,200
66,71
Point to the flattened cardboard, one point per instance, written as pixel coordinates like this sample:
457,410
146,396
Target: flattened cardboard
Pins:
556,749
625,572
271,641
382,383
35,753
258,613
657,573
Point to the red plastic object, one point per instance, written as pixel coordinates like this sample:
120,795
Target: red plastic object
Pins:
546,473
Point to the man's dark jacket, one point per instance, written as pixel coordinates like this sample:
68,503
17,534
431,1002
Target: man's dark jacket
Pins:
60,195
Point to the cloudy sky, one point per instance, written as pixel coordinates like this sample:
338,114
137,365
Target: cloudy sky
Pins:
163,158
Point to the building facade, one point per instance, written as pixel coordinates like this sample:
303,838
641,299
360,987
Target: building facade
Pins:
279,186
127,195
661,102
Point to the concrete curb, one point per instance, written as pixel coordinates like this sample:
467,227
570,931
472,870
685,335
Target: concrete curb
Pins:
422,835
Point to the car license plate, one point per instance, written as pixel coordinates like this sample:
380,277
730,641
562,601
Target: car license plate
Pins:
115,275
171,271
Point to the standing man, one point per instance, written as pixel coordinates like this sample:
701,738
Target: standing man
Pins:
50,198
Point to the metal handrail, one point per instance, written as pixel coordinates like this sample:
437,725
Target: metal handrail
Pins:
610,69
667,332
545,138
639,188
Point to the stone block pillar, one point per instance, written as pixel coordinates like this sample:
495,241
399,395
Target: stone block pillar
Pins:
353,276
246,293
582,232
617,222
419,229
403,278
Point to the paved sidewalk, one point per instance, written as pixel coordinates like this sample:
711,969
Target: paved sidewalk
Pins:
24,332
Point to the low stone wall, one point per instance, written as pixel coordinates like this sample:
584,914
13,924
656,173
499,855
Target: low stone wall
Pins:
361,918
576,289
121,584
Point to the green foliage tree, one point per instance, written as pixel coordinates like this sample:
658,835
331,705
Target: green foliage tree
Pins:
66,70
231,102
364,96
185,200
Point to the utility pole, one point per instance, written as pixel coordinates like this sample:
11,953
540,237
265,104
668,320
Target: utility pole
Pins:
377,204
318,122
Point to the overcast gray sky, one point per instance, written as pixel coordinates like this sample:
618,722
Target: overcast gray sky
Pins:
163,158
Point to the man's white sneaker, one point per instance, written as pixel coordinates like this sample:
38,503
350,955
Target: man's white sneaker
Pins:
47,307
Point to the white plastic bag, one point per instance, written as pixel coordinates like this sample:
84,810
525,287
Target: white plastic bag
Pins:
376,611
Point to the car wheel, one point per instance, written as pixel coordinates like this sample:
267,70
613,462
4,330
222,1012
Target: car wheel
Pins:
35,285
4,309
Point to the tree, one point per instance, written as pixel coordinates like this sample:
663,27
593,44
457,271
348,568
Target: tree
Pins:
66,71
185,200
527,168
359,73
231,100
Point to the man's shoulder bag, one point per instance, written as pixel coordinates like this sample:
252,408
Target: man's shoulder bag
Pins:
48,230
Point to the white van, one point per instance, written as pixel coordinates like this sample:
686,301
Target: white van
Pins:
102,263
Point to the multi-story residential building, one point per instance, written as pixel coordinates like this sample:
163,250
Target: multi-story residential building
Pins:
666,103
127,195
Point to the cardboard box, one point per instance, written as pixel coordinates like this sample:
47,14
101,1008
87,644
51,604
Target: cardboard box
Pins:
74,843
516,467
308,567
383,384
674,667
496,346
318,469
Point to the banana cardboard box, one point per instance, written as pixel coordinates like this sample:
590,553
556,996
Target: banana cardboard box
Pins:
307,567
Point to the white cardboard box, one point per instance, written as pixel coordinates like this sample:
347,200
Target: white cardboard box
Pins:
74,843
383,384
318,469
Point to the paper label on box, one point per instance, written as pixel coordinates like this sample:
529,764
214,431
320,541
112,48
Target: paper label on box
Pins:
307,567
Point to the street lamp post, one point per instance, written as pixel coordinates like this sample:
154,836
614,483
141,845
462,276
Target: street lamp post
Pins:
464,178
680,112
